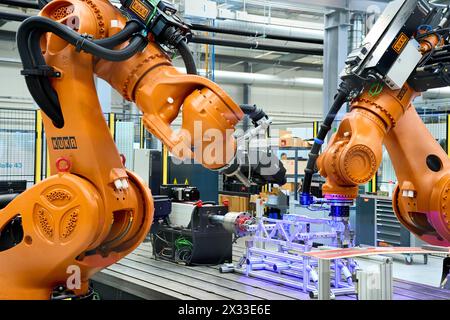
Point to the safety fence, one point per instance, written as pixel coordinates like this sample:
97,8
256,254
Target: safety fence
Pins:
24,155
18,138
23,148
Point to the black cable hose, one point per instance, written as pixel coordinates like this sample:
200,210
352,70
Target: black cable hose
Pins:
28,39
137,42
39,87
38,59
339,100
253,112
123,35
188,59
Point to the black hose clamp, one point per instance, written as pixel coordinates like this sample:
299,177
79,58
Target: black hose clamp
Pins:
80,42
41,71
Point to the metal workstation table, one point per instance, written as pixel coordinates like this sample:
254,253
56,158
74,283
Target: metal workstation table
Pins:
139,275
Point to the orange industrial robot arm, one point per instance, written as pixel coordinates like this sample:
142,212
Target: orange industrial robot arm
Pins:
92,211
382,113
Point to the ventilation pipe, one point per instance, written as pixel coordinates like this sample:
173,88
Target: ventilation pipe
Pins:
440,93
256,34
259,28
241,78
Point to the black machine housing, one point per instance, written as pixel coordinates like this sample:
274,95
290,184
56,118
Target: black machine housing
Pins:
395,29
379,51
12,233
435,74
210,244
180,193
390,55
159,18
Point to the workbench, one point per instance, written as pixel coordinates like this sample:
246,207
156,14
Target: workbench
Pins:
139,275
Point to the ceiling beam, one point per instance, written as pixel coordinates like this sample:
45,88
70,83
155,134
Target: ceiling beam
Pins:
21,3
321,5
290,57
10,16
255,45
7,35
278,62
246,33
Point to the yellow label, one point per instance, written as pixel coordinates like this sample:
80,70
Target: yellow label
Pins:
400,43
141,10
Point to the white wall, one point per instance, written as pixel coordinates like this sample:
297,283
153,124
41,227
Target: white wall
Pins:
13,90
289,104
285,104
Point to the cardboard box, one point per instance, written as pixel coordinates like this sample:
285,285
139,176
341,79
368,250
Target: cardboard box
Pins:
285,134
285,137
292,142
254,198
289,187
235,203
264,196
290,166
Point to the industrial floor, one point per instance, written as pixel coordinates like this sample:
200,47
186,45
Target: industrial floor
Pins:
140,275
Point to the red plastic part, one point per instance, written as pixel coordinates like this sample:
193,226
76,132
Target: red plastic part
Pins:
240,222
63,164
199,204
123,159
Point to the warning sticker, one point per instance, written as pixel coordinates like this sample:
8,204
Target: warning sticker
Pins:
400,43
140,9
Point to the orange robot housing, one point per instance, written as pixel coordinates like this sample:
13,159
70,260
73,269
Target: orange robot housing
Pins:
382,116
92,211
354,152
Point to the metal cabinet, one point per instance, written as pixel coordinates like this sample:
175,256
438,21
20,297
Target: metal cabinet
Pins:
388,230
377,225
365,221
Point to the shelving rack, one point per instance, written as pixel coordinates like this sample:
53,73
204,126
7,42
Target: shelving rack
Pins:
297,175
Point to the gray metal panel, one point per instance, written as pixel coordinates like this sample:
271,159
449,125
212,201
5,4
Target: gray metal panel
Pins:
147,278
381,26
324,279
404,65
211,280
365,221
335,53
142,163
137,287
384,21
423,289
284,292
162,281
218,286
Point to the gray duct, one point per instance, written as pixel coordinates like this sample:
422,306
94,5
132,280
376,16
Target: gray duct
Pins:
441,93
241,78
274,29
